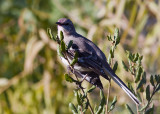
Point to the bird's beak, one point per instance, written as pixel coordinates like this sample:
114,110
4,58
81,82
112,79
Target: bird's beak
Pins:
58,23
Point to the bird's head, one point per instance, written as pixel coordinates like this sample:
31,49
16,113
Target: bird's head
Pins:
66,26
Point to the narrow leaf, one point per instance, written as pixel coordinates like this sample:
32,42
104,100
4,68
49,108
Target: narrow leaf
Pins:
152,81
138,74
143,81
68,78
69,44
157,88
91,89
150,110
148,93
109,37
113,104
112,53
63,47
136,57
115,66
124,66
100,108
74,61
129,109
59,51
157,78
61,35
116,36
129,55
143,108
103,100
73,108
49,32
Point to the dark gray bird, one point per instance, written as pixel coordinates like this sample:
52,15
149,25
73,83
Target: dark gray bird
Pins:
91,60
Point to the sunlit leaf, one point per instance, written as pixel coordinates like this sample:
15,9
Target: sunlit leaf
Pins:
113,104
63,46
143,108
91,89
59,51
73,108
68,78
61,35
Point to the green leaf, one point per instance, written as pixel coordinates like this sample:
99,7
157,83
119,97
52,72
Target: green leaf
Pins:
100,108
129,109
59,51
138,74
61,35
68,78
49,32
136,57
113,104
157,78
91,89
150,110
157,88
74,61
73,108
95,108
112,53
109,37
143,81
129,55
76,55
115,66
78,97
86,105
116,36
63,46
152,81
124,66
69,44
103,100
139,60
143,108
148,93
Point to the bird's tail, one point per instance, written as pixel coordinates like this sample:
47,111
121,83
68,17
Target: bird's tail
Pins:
121,84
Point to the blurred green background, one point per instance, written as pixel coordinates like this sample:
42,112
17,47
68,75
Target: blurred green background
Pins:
31,74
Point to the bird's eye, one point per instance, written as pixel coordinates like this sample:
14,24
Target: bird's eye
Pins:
66,23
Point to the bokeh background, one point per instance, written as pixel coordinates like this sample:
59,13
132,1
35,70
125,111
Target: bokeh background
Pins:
31,74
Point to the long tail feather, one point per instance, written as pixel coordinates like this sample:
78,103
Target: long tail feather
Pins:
122,85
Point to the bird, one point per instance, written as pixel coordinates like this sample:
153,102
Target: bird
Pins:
92,62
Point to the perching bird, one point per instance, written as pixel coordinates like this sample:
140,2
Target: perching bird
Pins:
91,60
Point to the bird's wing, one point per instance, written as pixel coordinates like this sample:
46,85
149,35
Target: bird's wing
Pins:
86,59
